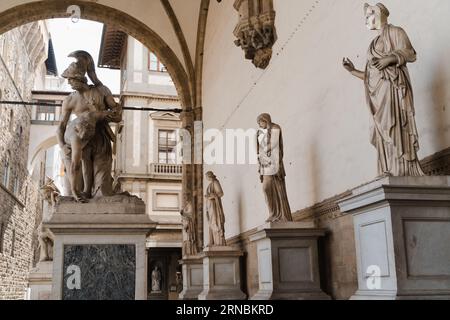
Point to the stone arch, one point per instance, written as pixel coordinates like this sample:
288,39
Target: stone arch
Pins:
41,10
43,146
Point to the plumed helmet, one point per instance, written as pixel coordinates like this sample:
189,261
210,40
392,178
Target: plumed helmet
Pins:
84,64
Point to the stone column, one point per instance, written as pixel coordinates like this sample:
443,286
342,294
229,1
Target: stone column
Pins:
288,263
402,232
100,249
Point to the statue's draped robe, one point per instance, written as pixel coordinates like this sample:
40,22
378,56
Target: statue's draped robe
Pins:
189,242
390,99
274,175
216,216
99,149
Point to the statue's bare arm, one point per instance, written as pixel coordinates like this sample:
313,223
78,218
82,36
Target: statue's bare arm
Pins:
65,117
115,115
350,67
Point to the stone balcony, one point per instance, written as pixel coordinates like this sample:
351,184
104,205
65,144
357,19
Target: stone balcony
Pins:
166,171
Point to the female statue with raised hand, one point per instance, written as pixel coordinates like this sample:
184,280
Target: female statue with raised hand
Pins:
390,96
271,169
214,212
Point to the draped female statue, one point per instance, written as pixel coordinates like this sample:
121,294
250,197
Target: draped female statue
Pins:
271,169
214,211
389,95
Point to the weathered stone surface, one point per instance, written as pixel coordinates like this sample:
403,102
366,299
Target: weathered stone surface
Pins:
19,212
221,274
192,268
288,262
40,280
118,204
108,272
402,230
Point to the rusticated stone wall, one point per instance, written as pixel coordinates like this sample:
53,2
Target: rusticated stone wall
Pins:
19,197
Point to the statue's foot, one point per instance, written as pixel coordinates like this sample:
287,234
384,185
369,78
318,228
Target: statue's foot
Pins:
86,195
80,199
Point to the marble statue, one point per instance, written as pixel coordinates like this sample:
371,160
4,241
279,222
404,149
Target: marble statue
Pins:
271,169
86,140
189,232
214,211
156,280
389,95
50,192
46,241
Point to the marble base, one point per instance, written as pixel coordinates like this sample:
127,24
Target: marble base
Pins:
100,249
288,264
192,268
402,232
222,274
40,281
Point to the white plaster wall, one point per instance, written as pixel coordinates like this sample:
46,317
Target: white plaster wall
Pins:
320,107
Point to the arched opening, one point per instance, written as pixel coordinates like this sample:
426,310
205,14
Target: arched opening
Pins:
42,10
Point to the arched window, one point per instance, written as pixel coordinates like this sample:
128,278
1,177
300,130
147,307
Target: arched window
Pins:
154,64
13,242
16,186
6,170
2,233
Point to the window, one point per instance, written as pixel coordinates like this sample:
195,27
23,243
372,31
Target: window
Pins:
6,170
166,200
2,233
154,64
167,143
44,113
16,186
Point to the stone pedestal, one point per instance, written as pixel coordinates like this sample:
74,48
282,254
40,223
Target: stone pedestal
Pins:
402,235
288,264
40,281
222,274
192,268
99,251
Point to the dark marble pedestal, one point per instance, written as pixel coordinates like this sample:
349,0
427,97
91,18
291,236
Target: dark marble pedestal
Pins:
99,251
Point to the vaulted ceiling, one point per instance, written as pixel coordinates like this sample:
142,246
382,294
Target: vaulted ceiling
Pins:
178,27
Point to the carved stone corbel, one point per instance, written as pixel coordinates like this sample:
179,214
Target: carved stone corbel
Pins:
255,32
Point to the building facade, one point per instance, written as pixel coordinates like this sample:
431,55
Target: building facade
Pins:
148,159
23,67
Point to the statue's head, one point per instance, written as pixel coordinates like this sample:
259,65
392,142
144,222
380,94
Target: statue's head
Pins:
264,120
376,16
76,72
210,176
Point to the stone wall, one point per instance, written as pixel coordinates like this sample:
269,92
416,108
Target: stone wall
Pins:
19,197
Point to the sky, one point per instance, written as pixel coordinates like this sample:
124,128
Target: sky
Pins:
83,35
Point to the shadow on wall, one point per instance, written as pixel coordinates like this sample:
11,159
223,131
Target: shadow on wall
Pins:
440,105
313,179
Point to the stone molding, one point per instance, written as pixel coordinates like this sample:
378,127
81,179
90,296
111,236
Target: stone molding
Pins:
437,164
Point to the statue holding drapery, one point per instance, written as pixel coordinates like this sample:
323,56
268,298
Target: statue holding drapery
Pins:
271,169
214,212
389,95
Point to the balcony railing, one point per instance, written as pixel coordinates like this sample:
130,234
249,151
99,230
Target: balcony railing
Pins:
166,170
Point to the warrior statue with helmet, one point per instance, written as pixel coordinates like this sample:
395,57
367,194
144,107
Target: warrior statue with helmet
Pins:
86,140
